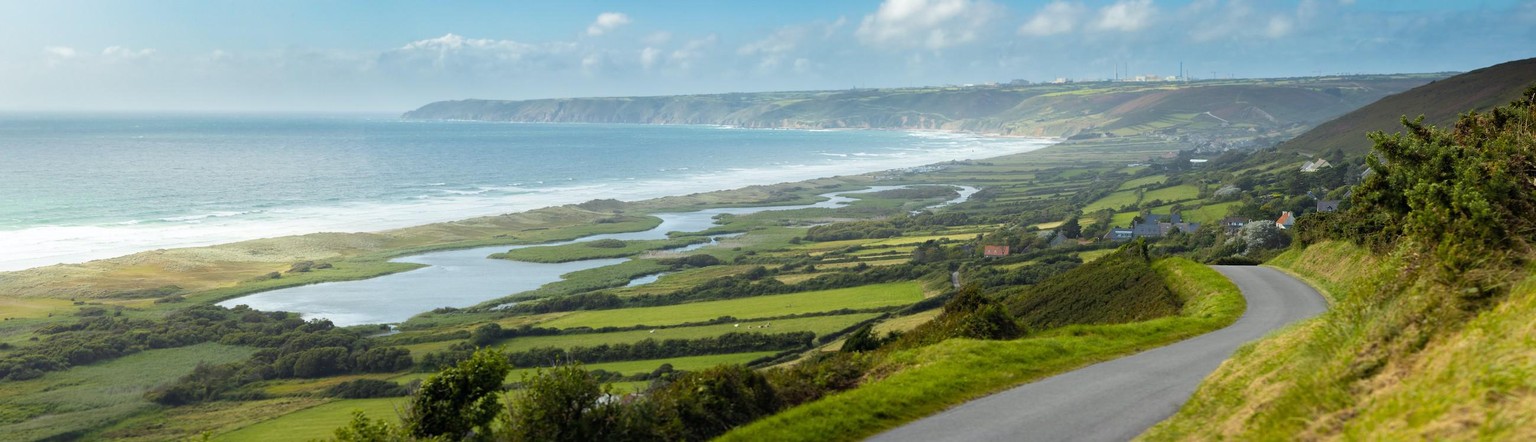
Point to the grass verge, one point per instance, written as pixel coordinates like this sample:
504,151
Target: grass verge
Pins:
929,379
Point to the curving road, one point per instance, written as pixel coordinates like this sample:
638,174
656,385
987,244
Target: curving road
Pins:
1117,400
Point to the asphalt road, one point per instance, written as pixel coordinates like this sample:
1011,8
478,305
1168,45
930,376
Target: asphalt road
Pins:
1119,399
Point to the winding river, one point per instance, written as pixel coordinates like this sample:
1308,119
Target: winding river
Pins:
462,278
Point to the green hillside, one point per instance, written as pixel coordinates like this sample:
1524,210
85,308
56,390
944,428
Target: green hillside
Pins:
1439,102
1429,333
1057,110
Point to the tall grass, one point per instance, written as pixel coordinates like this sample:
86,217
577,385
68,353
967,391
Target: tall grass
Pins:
922,381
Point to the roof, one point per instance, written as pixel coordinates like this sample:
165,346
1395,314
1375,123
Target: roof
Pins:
1286,219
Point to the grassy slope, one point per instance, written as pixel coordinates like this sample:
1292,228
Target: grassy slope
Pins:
89,397
1383,364
926,380
1440,102
1119,287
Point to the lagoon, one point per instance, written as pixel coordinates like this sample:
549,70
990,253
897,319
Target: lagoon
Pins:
462,278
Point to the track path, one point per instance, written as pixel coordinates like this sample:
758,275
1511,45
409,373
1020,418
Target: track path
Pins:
1119,399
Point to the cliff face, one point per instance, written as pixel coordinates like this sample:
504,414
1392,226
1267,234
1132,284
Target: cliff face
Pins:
1036,110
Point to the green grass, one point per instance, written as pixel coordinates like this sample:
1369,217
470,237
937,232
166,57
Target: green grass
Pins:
685,363
864,297
1182,192
929,379
318,422
90,397
1091,255
820,325
1209,213
1154,179
584,250
1113,201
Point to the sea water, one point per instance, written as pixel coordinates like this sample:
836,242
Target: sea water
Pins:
76,187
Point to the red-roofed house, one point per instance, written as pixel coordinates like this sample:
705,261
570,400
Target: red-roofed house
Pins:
1286,220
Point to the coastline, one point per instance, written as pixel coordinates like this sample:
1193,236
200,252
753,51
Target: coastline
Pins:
229,269
391,206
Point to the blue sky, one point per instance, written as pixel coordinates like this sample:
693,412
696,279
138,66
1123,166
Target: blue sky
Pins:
394,55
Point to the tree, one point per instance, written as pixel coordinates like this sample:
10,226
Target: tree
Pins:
485,335
1071,229
561,404
1262,235
460,399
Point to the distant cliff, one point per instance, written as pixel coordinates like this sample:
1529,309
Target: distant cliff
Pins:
1059,110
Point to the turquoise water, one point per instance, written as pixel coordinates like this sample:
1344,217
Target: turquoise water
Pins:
80,187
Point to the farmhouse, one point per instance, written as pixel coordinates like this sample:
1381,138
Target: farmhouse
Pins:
1286,220
1153,227
1232,223
994,251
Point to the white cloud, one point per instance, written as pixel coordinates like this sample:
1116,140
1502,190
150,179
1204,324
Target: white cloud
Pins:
785,46
60,52
649,56
1126,16
606,22
456,54
658,38
122,53
1241,20
692,51
1278,27
931,24
1058,17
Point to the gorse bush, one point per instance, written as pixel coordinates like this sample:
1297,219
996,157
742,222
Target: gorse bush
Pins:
1464,195
1119,287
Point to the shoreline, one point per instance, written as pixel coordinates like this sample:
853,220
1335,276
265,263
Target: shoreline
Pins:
226,270
40,246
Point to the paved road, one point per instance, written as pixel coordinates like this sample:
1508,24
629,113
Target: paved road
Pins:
1117,400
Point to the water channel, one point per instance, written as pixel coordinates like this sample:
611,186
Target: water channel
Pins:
462,278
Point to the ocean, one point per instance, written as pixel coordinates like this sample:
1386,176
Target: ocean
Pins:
77,187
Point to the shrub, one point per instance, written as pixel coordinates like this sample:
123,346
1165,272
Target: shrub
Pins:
366,388
460,399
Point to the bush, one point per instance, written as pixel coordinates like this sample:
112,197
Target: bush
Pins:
460,399
607,244
366,388
561,404
705,404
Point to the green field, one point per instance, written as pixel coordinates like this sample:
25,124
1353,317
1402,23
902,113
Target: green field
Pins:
820,325
318,422
1113,201
1154,179
1209,213
588,250
1173,194
685,363
870,296
93,396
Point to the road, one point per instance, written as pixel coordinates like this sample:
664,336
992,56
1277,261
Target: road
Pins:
1119,399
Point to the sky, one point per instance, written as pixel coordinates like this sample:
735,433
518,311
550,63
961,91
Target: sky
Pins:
393,56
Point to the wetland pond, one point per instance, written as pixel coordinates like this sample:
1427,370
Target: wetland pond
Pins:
465,277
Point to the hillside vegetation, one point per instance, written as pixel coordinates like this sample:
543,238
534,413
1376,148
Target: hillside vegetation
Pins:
1056,110
1117,288
1430,333
1440,102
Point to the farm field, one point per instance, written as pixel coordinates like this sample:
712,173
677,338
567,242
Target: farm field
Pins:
313,423
864,297
820,325
91,396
